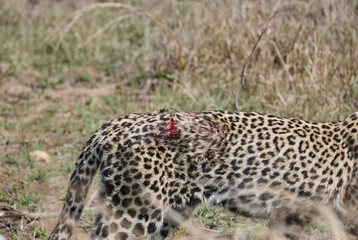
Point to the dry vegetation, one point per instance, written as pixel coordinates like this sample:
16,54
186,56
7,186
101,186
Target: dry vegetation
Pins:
64,70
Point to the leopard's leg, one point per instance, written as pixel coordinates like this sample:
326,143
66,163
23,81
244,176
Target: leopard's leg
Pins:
172,219
287,213
351,204
135,214
144,226
350,199
126,213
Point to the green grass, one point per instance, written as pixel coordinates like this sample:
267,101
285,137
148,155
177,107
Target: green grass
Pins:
39,233
40,175
14,195
228,223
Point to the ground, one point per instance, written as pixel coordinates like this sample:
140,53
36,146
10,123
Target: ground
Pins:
64,71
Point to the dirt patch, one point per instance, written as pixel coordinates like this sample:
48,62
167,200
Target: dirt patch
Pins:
31,106
16,90
74,92
4,178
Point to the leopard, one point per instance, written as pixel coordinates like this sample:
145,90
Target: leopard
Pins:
156,165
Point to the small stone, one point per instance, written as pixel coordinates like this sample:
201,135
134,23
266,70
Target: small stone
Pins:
40,156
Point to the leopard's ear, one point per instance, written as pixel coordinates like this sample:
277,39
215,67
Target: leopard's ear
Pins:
166,110
163,110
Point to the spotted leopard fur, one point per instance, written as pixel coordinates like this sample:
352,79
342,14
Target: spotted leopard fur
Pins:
155,163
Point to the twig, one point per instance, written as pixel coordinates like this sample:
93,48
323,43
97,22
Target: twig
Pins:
248,59
4,226
43,214
89,8
105,27
9,212
12,213
91,199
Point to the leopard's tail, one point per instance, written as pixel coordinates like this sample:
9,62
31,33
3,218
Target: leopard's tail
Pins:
81,178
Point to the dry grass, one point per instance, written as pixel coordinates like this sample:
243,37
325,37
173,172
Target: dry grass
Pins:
304,67
66,66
